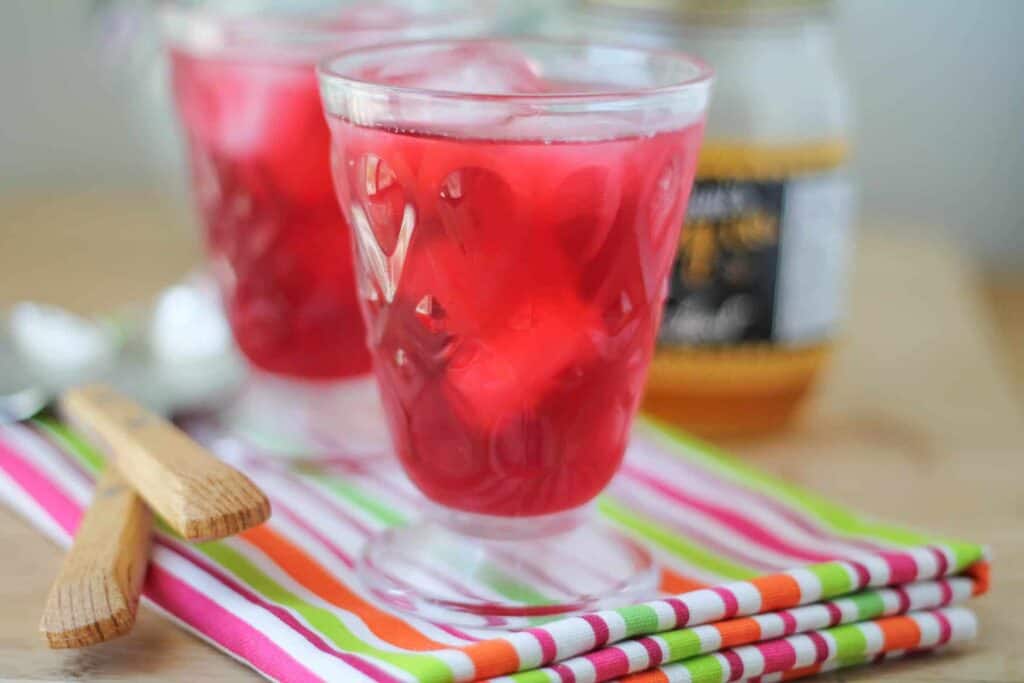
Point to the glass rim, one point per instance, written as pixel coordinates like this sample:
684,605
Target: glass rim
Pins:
200,27
330,76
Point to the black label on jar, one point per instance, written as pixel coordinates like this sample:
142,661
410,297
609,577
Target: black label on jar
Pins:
722,287
759,261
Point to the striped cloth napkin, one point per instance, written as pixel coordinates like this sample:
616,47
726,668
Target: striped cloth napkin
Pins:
761,580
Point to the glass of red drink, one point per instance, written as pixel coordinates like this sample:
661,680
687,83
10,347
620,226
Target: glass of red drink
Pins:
245,85
515,207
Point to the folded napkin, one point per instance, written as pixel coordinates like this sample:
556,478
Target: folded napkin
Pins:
760,580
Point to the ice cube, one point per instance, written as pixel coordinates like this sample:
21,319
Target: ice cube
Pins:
245,109
508,369
469,68
582,205
470,251
562,126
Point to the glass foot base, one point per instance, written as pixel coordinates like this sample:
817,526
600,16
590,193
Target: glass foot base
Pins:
510,573
289,418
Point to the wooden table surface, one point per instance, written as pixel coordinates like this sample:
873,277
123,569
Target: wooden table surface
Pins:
918,421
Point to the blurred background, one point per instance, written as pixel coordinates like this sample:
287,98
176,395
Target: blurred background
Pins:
87,124
96,217
937,85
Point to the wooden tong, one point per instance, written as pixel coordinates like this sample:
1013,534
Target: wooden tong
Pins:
152,465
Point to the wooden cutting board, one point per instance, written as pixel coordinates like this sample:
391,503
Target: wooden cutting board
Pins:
916,422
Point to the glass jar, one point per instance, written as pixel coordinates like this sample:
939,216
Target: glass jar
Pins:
755,295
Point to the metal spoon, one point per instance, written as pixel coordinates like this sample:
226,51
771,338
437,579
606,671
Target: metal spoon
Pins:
21,395
175,355
22,404
28,383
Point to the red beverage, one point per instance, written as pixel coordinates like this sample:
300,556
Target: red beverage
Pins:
278,243
513,290
515,207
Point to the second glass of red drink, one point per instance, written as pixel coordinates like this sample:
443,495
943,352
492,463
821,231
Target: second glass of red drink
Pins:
515,208
245,86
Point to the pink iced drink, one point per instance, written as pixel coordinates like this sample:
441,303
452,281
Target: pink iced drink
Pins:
278,244
512,290
258,147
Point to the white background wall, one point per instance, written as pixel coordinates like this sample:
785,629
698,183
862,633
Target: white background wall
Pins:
65,119
938,91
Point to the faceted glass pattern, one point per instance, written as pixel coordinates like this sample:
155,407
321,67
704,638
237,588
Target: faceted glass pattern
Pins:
512,291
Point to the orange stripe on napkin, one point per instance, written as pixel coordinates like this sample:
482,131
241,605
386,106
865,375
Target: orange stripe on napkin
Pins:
674,583
739,632
777,591
491,657
979,571
653,676
801,672
901,633
308,572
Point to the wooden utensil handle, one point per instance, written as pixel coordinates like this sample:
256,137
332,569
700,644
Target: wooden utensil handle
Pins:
96,593
201,497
